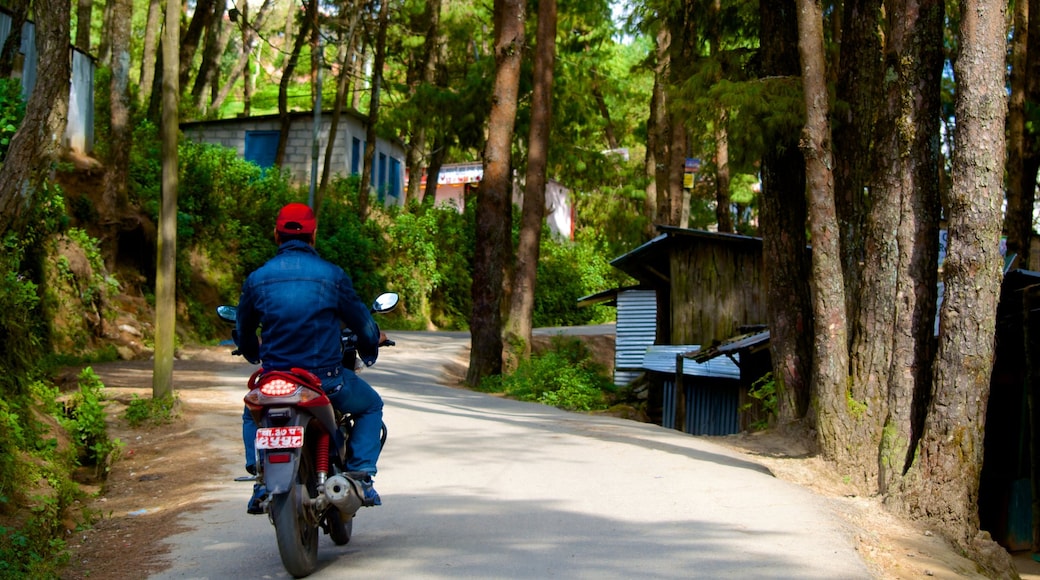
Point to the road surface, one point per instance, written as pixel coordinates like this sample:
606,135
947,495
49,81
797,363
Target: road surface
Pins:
476,486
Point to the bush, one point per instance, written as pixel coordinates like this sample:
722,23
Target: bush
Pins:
86,422
564,376
568,271
150,411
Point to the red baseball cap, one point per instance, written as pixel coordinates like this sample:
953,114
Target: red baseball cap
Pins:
296,218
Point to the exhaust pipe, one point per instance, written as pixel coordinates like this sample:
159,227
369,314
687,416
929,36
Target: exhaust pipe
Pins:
345,494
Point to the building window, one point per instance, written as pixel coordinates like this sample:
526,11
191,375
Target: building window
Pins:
355,156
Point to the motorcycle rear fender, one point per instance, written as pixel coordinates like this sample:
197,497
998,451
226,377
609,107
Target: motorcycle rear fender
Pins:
280,477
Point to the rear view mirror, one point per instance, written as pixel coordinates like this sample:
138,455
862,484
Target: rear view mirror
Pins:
386,302
227,313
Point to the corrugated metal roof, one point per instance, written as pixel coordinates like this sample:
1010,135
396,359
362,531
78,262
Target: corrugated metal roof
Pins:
661,358
752,341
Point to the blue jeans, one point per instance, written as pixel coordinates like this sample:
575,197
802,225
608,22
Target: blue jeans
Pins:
349,393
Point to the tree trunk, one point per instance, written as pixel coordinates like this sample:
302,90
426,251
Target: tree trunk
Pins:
427,76
946,483
84,8
342,84
650,209
723,215
117,170
13,44
434,170
373,109
165,277
661,125
152,29
204,14
858,87
891,359
249,34
1018,223
283,84
830,351
782,217
37,143
494,198
521,311
217,35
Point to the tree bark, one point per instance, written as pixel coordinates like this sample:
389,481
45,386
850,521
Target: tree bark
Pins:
249,35
521,311
946,483
723,215
286,80
117,170
494,198
891,359
427,75
204,14
342,84
858,90
217,36
661,126
782,217
84,8
379,60
152,28
830,351
1018,223
165,278
37,143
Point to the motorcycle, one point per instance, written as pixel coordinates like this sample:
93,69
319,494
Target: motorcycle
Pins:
302,451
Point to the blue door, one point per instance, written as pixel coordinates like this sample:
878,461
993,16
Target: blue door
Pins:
261,147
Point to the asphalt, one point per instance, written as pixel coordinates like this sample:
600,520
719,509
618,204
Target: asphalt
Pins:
477,486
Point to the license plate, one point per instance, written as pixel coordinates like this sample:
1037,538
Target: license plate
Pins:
279,437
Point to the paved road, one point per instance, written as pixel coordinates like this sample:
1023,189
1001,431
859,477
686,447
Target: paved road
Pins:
475,486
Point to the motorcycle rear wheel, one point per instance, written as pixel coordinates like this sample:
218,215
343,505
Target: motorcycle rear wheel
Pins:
339,530
297,538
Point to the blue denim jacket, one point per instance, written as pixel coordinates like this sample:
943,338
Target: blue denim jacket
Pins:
300,302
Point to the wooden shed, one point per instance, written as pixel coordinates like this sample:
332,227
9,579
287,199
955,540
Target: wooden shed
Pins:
708,285
706,289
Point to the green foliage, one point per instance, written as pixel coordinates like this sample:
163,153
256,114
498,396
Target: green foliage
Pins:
12,111
763,391
86,422
568,271
150,411
564,376
345,240
428,261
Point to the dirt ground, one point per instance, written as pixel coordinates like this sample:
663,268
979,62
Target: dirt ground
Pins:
149,488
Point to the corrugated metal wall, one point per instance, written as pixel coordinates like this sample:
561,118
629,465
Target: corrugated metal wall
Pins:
636,331
711,409
79,132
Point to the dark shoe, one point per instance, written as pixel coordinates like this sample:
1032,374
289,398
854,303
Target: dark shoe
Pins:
256,503
371,495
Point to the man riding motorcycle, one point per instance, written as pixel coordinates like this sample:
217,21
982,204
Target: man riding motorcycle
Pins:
299,302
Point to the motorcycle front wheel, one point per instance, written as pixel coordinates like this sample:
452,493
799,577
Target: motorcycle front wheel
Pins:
297,538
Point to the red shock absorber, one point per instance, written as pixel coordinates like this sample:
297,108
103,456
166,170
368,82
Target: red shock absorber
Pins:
322,462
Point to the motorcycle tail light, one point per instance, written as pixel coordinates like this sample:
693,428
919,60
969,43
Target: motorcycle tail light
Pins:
279,388
279,457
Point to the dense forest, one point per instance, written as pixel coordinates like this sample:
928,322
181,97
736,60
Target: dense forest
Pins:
866,130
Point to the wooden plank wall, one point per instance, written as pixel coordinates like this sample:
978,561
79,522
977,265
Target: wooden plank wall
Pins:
716,288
